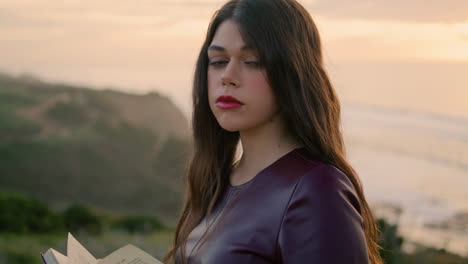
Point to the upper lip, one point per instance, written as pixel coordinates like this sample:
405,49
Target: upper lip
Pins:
227,98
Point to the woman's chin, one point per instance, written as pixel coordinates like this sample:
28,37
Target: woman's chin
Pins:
230,127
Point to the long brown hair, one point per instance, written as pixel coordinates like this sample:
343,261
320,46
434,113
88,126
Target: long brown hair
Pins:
289,47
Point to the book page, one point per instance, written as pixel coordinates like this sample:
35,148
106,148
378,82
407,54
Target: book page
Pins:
52,256
129,254
77,254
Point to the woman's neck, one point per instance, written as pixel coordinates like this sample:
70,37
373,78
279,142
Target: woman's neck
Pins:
261,146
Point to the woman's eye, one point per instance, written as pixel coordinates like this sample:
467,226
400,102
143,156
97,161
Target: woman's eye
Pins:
255,63
218,63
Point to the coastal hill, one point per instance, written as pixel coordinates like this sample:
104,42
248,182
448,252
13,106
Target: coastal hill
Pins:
110,150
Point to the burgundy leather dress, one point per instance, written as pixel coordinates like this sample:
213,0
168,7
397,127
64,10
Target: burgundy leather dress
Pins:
296,210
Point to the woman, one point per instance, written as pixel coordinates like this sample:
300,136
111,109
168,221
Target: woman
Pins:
292,197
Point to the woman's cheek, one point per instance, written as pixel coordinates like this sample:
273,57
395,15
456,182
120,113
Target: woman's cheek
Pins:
211,89
259,86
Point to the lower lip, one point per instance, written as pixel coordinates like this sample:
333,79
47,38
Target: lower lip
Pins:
228,105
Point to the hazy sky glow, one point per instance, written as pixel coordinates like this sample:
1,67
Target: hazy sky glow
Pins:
148,44
399,66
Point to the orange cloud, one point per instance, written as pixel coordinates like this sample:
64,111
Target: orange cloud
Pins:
420,11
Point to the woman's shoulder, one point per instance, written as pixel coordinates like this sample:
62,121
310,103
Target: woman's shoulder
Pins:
326,178
298,175
322,215
299,165
312,177
318,171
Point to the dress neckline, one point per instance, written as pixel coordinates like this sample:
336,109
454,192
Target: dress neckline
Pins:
245,184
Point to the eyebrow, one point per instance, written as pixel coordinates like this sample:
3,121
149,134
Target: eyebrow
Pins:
219,48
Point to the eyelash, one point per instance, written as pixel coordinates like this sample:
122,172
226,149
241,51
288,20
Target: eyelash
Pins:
217,63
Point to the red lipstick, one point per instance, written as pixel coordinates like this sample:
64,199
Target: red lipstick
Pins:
228,102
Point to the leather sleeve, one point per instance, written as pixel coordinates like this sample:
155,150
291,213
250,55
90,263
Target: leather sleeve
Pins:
322,223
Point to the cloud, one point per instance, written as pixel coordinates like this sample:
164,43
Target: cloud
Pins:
92,32
86,17
363,40
418,11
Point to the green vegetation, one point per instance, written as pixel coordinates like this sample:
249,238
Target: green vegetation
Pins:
68,144
22,249
33,227
88,167
13,127
138,224
392,252
22,215
80,218
391,243
24,232
69,114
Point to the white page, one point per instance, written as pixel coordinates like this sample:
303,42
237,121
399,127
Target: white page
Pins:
77,254
52,256
129,254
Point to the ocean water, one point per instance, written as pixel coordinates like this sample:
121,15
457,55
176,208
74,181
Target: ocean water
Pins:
414,170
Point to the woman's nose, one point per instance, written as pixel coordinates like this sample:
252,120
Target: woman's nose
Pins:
230,75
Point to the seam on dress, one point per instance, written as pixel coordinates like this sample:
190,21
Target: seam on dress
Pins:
277,247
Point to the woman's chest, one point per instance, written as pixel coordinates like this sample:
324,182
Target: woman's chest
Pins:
243,230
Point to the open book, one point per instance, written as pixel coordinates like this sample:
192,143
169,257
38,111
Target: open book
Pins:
77,254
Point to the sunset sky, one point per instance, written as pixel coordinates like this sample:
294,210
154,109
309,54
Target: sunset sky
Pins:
394,53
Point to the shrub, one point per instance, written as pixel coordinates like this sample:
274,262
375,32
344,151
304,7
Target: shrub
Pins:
22,214
138,224
390,242
13,126
16,257
68,113
78,218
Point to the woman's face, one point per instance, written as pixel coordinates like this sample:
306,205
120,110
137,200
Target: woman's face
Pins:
234,70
